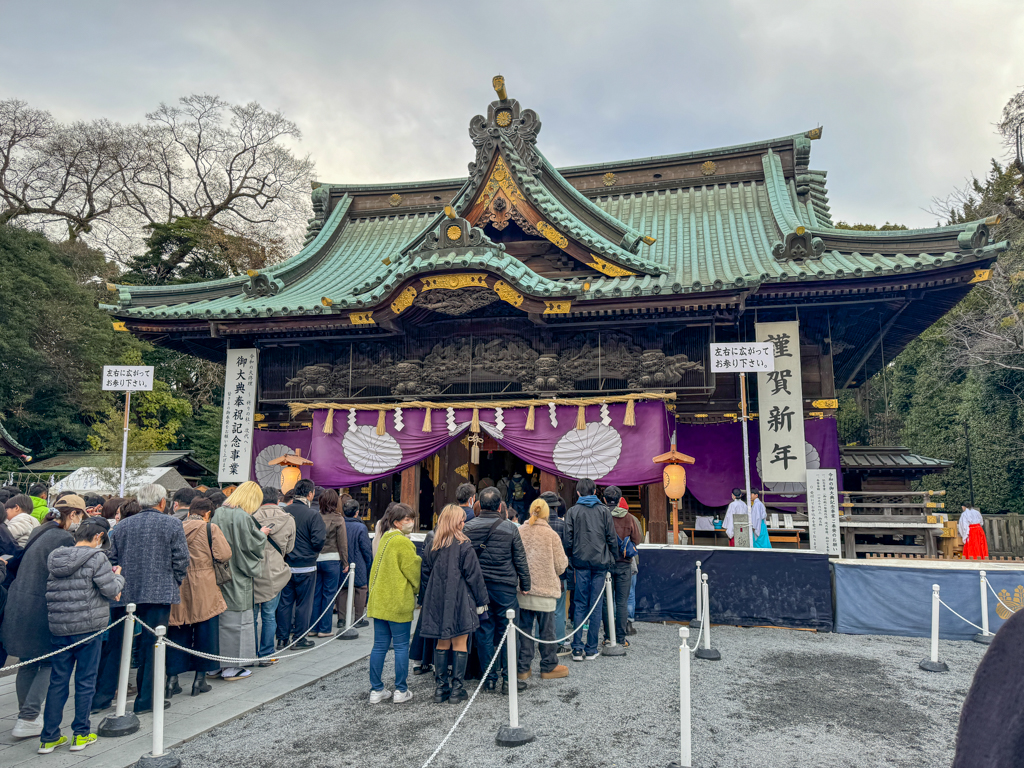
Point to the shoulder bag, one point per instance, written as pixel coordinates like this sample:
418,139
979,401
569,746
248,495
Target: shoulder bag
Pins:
221,569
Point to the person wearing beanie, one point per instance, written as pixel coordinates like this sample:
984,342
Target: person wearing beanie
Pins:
626,530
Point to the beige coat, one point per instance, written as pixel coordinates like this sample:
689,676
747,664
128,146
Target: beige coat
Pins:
201,598
546,559
276,572
21,527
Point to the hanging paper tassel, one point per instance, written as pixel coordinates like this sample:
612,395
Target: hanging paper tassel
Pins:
606,418
351,419
529,420
426,419
329,422
474,426
630,420
474,454
581,417
553,414
399,423
499,419
380,422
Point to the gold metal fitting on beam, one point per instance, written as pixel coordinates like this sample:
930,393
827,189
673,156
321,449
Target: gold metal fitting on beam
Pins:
499,87
327,302
449,212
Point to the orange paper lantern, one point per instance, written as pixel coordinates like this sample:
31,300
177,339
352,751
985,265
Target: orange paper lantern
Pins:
289,477
674,479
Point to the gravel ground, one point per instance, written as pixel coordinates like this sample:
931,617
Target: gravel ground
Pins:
777,698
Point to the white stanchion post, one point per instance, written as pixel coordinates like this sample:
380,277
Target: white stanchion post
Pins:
350,601
933,664
613,648
707,652
158,758
985,638
120,723
512,735
695,621
685,758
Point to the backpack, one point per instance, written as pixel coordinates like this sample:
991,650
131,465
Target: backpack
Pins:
518,489
627,549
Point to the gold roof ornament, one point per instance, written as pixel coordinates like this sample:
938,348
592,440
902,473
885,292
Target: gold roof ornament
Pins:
499,87
609,179
708,168
395,200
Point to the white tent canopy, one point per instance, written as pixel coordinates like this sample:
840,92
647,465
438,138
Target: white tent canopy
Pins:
106,480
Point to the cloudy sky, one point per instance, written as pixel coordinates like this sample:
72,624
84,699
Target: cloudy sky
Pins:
907,90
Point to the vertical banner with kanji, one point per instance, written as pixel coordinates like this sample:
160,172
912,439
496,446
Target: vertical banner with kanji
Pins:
780,406
239,407
823,511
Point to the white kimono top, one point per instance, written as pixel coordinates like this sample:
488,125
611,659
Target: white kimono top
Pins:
737,507
969,517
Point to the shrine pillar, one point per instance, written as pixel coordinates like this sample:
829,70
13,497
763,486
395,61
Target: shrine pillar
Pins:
411,490
653,498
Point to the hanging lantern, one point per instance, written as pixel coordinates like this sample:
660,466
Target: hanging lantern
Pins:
529,469
674,478
291,468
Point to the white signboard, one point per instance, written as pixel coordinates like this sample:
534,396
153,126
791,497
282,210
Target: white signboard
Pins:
742,357
823,511
780,407
239,407
128,378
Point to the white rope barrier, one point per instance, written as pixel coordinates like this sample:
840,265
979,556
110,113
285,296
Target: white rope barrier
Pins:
696,643
65,648
483,678
1007,607
942,602
560,640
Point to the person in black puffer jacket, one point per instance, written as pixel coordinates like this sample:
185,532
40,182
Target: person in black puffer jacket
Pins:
503,563
79,590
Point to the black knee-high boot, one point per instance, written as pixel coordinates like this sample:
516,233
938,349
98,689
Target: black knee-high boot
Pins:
458,676
441,675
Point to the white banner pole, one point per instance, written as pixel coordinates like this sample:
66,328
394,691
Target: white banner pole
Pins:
746,444
124,445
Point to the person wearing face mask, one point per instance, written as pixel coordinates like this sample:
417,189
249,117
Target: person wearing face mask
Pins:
394,582
26,627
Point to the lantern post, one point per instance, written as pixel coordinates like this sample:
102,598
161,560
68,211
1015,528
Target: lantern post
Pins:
674,479
291,468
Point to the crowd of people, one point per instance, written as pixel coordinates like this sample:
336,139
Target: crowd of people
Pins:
227,571
477,564
245,573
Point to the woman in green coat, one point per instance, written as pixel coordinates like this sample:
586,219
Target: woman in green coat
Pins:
247,541
394,582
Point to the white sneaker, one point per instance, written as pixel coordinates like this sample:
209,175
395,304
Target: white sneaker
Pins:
592,656
25,728
376,697
402,696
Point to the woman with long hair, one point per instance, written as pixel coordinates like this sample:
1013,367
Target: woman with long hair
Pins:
547,561
453,599
331,563
394,580
26,627
194,621
246,540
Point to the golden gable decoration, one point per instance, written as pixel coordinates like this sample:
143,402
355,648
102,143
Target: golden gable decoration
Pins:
607,268
508,294
609,179
454,282
403,301
395,200
552,234
709,168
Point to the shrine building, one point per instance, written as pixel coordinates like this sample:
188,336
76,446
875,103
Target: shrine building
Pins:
554,321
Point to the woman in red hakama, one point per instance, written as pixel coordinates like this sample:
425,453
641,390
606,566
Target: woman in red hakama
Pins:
971,531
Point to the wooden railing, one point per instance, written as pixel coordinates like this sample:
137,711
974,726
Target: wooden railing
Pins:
1005,534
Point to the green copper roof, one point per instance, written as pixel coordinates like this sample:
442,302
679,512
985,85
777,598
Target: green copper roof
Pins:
773,226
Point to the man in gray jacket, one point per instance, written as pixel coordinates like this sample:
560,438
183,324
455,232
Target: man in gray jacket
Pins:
79,590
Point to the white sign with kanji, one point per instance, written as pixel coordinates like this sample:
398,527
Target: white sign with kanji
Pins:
239,407
742,357
128,378
823,511
780,407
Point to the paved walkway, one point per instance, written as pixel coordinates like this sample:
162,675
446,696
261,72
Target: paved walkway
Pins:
188,716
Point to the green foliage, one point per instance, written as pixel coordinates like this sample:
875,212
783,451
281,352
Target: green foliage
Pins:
155,420
202,435
54,343
887,227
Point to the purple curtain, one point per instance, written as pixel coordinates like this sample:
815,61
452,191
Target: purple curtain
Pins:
606,450
718,449
268,445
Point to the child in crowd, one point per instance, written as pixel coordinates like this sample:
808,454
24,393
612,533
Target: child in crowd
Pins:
79,590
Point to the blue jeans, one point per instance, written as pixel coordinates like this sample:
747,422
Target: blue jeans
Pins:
589,589
265,634
560,615
328,577
86,658
492,628
631,603
386,634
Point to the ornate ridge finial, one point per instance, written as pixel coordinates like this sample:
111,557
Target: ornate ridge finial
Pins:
505,119
499,87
